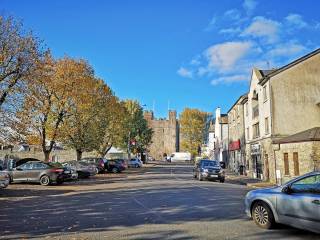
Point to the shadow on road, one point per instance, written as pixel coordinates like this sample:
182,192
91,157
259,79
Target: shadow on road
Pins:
160,203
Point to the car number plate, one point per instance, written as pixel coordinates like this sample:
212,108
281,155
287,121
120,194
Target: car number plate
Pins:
67,172
213,175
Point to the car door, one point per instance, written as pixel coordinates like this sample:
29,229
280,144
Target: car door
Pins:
300,205
21,172
36,170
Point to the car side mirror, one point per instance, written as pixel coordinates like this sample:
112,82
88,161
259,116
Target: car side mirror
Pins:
287,190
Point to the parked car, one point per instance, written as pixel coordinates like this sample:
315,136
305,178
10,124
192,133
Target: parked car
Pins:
135,163
98,162
37,171
296,203
9,164
4,179
83,169
115,166
208,169
123,163
74,174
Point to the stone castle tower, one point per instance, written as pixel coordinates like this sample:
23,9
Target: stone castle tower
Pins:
165,138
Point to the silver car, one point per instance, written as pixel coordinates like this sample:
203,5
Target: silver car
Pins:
296,203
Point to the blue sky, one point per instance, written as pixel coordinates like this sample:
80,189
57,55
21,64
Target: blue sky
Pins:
192,53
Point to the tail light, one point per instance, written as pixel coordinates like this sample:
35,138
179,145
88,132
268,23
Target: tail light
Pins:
57,170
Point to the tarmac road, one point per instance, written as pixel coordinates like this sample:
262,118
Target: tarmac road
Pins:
156,202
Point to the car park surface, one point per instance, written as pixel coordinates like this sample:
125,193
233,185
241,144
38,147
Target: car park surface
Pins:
155,202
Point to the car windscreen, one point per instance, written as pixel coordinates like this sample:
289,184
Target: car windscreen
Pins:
209,164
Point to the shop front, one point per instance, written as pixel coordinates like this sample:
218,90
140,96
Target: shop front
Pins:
236,162
257,164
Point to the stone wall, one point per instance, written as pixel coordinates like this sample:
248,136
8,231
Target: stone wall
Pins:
308,155
57,155
165,139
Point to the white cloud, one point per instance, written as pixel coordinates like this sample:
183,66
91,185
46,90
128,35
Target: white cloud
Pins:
202,71
286,50
263,27
184,72
195,61
249,6
230,79
232,14
296,21
230,30
225,55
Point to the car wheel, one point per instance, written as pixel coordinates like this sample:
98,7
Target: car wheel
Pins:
262,215
45,180
115,170
221,180
200,177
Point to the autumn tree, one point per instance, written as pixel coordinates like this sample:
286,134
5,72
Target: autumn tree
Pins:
50,98
139,135
18,56
114,126
89,122
192,129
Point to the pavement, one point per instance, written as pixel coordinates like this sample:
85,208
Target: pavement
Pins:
156,202
247,181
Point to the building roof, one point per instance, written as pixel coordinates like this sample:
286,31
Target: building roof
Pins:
312,134
239,100
266,72
279,70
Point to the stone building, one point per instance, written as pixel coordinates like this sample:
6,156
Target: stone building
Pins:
280,103
237,144
165,139
208,152
221,137
298,154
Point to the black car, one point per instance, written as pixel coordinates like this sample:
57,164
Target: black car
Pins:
37,171
98,162
208,169
115,166
83,169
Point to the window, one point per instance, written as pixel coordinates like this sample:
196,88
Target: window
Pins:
256,131
286,164
39,166
26,166
309,184
266,125
265,98
296,164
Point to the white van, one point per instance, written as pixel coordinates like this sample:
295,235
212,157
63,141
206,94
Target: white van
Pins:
180,156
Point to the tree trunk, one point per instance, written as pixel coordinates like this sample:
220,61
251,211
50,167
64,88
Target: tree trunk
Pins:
106,150
46,155
79,154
